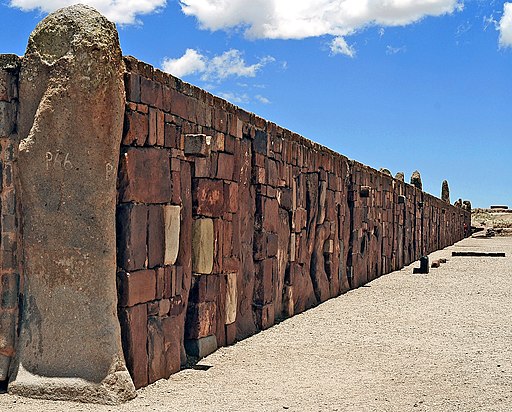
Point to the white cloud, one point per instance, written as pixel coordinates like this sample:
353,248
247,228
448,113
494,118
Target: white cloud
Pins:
390,50
119,11
505,26
298,19
191,62
234,98
340,46
217,68
262,99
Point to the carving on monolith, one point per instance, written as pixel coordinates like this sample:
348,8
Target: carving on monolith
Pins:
445,191
70,126
400,176
416,180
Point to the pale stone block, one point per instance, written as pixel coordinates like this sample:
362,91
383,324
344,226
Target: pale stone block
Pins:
201,347
172,233
202,246
231,298
292,247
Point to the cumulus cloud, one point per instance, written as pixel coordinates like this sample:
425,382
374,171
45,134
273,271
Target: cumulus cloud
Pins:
262,99
119,11
299,19
505,26
190,63
339,46
218,68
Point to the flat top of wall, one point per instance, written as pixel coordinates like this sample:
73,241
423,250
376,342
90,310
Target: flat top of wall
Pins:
136,66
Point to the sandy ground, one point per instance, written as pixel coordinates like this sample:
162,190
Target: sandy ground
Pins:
436,342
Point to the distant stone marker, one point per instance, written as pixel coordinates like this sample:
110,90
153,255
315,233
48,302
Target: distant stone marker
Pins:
445,191
70,122
416,180
400,176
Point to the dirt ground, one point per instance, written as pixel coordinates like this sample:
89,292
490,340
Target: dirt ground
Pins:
437,342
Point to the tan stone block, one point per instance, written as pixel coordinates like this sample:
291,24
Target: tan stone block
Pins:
202,246
172,233
231,298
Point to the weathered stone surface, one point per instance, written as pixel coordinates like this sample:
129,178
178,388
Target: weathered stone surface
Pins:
198,145
145,176
172,233
201,347
231,297
445,192
416,180
70,122
400,176
202,246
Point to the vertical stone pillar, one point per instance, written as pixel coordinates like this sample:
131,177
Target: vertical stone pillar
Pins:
70,125
9,273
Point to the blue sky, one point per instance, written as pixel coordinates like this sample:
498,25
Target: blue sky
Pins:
400,84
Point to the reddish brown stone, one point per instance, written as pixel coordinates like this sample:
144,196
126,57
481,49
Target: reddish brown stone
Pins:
231,197
144,176
263,286
225,163
134,335
135,128
151,141
157,366
132,87
230,334
131,236
151,93
173,336
156,236
171,135
200,320
136,287
209,197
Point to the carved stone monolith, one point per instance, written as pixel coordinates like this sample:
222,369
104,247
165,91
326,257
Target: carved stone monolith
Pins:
70,125
400,176
445,191
416,180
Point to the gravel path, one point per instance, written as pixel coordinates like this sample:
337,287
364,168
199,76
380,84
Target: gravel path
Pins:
438,342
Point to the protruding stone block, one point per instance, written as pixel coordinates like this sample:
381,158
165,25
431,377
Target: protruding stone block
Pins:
198,145
231,298
70,122
172,233
202,246
202,347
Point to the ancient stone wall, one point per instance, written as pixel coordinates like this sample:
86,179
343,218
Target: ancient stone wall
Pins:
9,270
227,222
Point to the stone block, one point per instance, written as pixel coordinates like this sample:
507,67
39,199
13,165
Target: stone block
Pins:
198,145
225,163
265,316
173,336
202,347
200,320
131,236
135,128
7,118
156,240
136,287
5,362
231,197
231,297
134,331
172,223
208,197
202,246
157,368
145,176
205,288
260,142
151,93
263,286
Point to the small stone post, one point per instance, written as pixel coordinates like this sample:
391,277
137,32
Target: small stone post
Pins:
445,191
70,125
